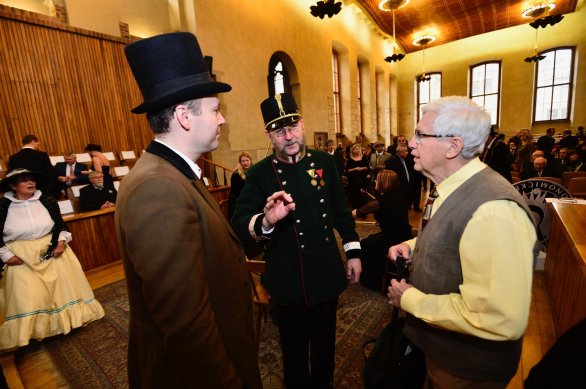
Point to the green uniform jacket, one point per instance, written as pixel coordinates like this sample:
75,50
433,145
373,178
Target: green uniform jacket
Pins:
303,262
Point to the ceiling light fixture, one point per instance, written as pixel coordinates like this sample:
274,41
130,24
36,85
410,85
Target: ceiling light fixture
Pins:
327,7
538,9
391,5
394,57
424,40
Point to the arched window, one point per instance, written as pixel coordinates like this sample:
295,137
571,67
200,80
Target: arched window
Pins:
278,78
553,85
485,81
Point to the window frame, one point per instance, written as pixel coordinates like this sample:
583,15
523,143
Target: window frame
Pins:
498,93
570,85
417,104
336,92
359,96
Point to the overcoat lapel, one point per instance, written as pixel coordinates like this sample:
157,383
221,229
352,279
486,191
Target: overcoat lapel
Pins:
166,153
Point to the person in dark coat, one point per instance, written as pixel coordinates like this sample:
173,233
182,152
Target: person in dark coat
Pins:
539,168
410,188
30,158
71,173
568,140
237,181
546,142
190,322
338,157
293,199
97,195
357,173
497,156
391,212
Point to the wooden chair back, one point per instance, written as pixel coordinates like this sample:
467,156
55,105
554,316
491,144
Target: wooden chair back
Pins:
566,176
577,187
552,179
73,196
128,158
260,296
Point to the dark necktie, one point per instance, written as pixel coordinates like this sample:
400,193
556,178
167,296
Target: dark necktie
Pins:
428,205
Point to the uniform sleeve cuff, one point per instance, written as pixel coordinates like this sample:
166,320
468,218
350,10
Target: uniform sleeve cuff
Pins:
255,227
352,250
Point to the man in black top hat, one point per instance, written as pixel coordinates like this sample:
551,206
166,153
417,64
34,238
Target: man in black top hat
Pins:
293,200
190,299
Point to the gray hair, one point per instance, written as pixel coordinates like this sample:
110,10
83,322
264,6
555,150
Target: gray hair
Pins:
459,116
401,148
94,173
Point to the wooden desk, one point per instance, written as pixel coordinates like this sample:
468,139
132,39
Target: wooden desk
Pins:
565,265
94,237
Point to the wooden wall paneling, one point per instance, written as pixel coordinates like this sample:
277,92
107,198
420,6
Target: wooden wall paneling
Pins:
12,87
94,238
565,265
66,85
5,96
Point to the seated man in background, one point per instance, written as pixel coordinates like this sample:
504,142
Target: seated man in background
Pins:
96,195
539,169
71,173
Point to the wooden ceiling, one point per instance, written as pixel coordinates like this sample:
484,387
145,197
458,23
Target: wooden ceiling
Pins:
451,20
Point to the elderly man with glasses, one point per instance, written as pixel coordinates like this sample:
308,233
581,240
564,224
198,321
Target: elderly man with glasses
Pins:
469,293
293,200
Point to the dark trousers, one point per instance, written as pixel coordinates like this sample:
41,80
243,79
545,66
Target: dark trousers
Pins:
308,339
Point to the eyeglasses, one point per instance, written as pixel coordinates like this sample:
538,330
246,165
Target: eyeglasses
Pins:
281,132
419,135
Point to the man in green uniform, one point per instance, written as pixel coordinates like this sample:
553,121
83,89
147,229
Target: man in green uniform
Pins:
293,200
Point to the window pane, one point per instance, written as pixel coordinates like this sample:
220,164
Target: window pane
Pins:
492,78
279,85
435,85
478,80
545,70
543,104
423,92
479,100
559,109
491,106
563,65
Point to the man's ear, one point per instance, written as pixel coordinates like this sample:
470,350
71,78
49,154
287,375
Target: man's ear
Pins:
182,114
455,149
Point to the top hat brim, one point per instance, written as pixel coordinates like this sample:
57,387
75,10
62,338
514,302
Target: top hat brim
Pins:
181,94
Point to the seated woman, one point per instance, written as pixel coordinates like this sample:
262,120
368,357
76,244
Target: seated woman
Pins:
99,161
43,291
391,212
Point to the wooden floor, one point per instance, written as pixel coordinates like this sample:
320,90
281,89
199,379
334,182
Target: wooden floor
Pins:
36,370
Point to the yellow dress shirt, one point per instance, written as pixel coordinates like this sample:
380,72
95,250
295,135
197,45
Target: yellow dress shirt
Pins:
496,252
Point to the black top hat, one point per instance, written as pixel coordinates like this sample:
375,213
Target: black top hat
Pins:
11,176
279,111
170,69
